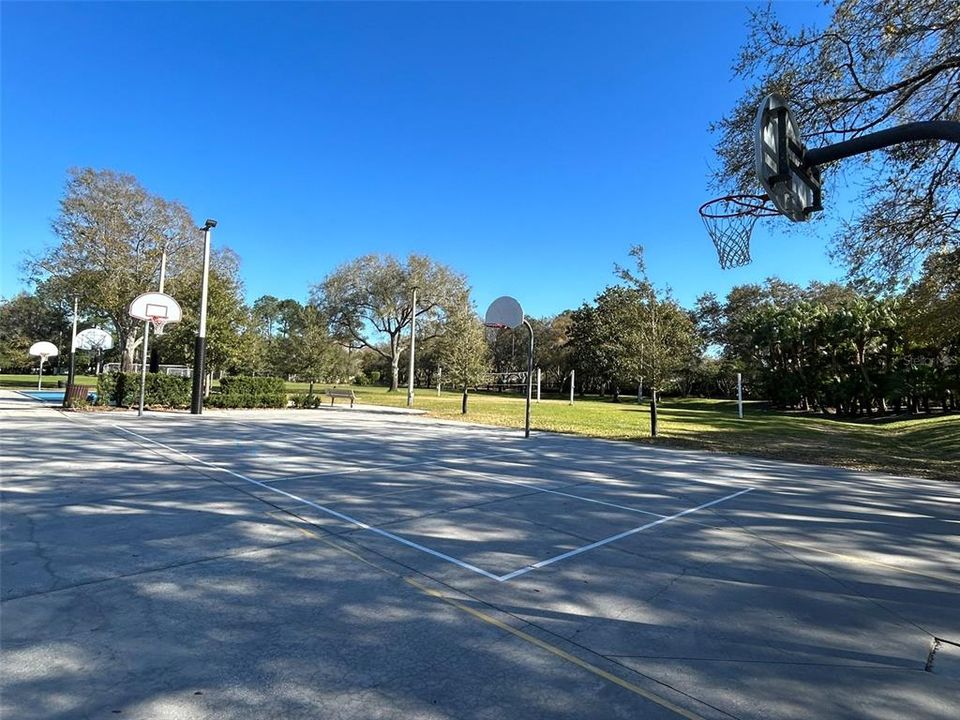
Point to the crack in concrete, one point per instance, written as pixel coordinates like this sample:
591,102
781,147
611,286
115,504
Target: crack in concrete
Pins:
124,576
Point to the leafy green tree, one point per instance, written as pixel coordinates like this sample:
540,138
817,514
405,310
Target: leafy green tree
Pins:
840,349
368,302
111,234
315,355
593,365
227,316
265,312
26,319
876,64
463,352
665,332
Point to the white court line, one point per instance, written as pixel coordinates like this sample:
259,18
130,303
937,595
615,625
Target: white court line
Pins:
395,466
423,548
321,508
599,543
496,479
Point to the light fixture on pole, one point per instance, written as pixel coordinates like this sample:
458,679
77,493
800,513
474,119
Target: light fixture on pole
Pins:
413,345
200,345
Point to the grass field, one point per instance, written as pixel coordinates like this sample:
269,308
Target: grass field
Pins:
29,382
928,446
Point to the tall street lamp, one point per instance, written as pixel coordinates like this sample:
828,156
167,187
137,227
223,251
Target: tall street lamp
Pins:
67,396
200,346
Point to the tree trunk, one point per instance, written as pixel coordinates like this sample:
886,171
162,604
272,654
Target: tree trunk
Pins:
129,350
394,373
463,402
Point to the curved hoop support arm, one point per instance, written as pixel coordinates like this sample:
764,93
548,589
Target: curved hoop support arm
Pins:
910,132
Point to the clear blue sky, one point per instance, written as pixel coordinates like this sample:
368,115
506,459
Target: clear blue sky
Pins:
526,145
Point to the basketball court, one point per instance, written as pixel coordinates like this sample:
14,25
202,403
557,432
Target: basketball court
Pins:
355,563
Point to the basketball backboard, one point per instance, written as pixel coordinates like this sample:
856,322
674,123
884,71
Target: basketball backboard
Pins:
158,308
505,312
94,339
43,350
793,187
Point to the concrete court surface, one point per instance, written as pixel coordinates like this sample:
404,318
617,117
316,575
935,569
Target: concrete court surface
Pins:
356,564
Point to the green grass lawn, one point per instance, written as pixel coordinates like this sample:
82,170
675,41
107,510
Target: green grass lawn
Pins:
29,382
928,446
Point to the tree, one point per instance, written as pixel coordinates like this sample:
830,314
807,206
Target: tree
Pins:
666,332
264,312
24,320
111,235
840,348
314,355
370,297
877,64
227,316
463,351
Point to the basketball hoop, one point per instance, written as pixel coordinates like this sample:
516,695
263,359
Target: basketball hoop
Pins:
158,323
157,309
729,221
492,330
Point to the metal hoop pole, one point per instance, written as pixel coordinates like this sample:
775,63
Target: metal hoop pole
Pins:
529,327
143,366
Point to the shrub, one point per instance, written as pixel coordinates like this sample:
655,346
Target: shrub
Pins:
107,388
306,400
160,390
244,391
231,401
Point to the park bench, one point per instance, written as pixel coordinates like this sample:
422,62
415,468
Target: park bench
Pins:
334,393
76,393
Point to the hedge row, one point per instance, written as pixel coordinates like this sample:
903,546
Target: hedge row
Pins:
243,391
160,390
169,391
235,400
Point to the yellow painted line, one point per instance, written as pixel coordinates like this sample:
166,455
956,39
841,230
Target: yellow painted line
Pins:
490,620
559,652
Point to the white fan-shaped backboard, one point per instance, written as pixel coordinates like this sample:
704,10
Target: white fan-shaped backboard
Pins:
155,305
94,339
504,312
43,349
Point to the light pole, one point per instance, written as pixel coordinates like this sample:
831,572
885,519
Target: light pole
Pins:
73,356
155,352
413,345
200,346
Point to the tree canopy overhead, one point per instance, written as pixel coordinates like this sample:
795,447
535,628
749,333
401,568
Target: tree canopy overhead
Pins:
878,64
